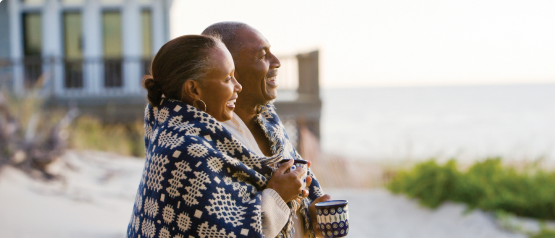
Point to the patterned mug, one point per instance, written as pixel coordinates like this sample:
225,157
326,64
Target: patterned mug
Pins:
297,164
333,218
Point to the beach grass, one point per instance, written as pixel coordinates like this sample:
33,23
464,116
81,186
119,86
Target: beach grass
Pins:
85,133
544,233
489,185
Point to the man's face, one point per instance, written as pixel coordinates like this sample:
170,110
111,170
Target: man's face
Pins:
256,68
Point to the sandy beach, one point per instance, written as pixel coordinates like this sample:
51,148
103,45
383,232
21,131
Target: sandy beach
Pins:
96,195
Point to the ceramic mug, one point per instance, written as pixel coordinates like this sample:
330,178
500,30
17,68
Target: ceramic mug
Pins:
297,164
333,218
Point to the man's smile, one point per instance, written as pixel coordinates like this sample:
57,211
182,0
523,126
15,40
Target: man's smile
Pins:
271,81
271,78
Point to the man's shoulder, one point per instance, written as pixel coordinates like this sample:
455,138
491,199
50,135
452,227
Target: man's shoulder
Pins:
268,113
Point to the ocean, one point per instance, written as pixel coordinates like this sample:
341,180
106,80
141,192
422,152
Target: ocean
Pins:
515,122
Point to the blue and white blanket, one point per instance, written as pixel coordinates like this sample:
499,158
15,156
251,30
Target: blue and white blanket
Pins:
199,181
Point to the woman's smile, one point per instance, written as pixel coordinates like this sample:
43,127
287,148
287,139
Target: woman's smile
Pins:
231,102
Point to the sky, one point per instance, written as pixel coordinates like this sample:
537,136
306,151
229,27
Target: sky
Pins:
378,43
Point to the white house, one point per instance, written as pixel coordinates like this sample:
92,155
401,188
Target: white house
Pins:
83,51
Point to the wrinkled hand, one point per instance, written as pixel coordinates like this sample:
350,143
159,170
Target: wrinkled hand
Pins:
287,185
312,211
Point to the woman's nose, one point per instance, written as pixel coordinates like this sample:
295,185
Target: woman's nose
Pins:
236,85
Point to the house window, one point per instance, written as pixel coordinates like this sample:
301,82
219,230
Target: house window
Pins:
146,20
73,50
32,48
112,40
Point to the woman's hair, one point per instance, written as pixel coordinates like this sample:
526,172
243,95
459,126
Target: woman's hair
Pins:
183,58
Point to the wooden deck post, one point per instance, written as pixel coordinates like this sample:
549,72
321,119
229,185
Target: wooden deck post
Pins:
309,89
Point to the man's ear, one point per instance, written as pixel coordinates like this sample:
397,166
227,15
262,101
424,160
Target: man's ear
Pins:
191,90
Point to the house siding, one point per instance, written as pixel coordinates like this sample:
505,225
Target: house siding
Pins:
4,31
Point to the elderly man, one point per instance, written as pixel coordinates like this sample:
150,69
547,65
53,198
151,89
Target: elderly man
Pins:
256,69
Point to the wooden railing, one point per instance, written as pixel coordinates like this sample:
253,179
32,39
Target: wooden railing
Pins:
89,77
74,77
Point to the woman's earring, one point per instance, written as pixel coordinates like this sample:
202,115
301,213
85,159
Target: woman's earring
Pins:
202,103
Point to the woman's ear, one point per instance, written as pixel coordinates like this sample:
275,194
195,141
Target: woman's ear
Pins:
191,90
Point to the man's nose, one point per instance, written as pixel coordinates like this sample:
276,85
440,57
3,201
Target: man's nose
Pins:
274,63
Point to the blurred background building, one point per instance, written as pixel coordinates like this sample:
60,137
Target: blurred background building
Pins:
93,54
89,53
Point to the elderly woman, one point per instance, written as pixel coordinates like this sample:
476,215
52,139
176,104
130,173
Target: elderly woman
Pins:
198,180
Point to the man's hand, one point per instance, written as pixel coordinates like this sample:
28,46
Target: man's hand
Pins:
312,211
287,185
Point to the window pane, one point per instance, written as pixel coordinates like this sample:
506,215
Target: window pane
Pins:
73,35
32,34
32,48
111,29
146,19
73,67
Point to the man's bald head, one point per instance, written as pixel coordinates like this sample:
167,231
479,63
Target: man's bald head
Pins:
256,68
227,32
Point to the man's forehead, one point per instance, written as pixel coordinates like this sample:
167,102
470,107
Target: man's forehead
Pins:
252,39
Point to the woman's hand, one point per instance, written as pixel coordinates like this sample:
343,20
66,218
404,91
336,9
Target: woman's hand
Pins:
312,211
308,182
287,185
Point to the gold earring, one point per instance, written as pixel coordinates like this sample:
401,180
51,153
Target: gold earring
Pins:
202,103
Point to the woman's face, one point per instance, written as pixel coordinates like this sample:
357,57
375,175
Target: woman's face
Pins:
220,88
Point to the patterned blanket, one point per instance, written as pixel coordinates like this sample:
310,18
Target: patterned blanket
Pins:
199,181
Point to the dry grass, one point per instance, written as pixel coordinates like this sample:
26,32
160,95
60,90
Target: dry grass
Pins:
89,133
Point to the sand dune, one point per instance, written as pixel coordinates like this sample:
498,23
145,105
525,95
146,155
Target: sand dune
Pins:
96,195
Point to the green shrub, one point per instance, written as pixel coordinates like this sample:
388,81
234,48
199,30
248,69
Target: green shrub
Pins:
545,233
486,185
